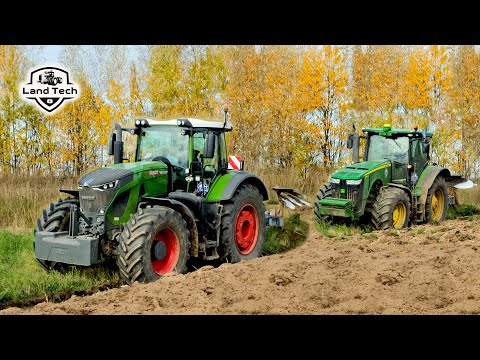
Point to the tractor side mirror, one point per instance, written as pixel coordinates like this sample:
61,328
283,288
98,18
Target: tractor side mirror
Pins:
209,148
426,146
350,141
426,149
111,139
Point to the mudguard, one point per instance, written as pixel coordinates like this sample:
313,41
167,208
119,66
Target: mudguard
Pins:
187,215
425,181
225,186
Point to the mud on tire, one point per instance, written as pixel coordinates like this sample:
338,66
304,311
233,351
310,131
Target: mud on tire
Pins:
54,219
153,242
243,225
438,190
387,201
325,191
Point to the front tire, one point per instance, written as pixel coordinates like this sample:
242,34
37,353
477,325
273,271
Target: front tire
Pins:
436,205
55,219
243,225
325,191
391,209
154,242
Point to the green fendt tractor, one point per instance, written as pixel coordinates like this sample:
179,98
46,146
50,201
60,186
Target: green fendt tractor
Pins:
177,200
393,187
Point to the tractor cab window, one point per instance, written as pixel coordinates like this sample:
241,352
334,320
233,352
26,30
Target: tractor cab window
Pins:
210,166
166,141
381,147
419,156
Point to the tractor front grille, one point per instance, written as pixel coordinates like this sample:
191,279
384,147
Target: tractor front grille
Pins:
352,192
91,200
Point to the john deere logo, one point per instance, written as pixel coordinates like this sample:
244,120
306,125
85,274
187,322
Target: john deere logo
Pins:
49,87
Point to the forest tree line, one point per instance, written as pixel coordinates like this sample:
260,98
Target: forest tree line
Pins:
290,106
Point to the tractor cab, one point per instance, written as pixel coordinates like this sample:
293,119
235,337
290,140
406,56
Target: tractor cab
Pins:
193,150
407,151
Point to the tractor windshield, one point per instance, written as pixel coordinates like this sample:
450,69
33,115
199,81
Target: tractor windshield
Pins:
381,147
164,141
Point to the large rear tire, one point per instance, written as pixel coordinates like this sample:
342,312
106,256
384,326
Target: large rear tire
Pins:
55,219
325,191
243,225
391,209
154,242
436,205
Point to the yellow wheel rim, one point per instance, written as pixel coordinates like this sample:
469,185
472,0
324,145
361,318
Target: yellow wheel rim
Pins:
399,215
438,204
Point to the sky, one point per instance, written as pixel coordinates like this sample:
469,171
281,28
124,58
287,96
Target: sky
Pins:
51,53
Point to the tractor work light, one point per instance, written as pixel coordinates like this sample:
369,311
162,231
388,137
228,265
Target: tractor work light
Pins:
106,186
335,181
354,182
142,123
184,122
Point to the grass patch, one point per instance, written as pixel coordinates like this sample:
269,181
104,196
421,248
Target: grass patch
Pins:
24,282
333,230
23,198
291,235
461,211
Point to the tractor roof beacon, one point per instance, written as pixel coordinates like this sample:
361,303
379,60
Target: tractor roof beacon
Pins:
395,184
177,203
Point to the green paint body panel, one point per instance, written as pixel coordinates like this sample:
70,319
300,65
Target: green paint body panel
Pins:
426,179
418,186
359,170
330,201
151,174
216,190
336,207
371,172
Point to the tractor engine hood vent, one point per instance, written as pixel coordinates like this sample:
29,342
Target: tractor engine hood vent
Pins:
103,175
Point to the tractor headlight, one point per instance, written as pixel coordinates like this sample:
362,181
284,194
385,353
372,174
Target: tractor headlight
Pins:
354,182
335,181
107,186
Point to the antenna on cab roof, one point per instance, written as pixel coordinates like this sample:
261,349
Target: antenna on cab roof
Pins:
225,110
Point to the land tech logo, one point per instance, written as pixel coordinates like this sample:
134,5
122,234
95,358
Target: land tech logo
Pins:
49,87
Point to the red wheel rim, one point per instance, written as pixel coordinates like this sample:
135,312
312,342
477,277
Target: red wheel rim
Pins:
165,251
246,229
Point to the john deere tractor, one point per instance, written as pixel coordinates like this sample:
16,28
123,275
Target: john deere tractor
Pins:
178,200
393,187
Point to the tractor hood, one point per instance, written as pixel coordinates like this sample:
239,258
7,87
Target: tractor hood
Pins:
360,170
98,188
119,171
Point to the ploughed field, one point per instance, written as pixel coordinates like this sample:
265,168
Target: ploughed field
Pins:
426,269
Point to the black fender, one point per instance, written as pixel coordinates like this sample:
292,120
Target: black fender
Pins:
186,213
74,193
243,177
